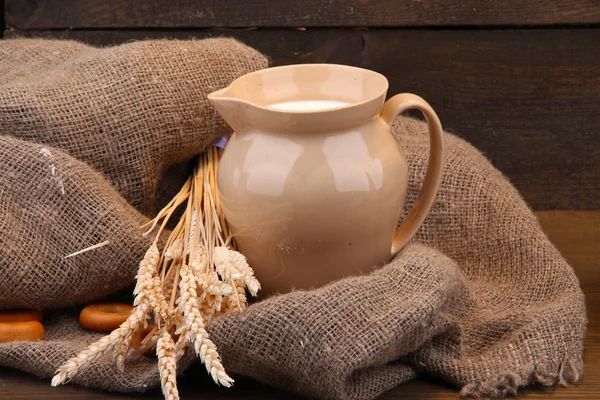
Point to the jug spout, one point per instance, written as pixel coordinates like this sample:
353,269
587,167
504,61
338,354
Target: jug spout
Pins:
229,108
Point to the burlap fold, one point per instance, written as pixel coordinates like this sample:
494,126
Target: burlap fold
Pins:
130,111
52,205
480,298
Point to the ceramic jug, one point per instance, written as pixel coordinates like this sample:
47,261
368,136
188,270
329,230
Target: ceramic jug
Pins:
312,182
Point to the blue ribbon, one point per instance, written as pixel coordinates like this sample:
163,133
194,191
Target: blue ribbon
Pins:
221,142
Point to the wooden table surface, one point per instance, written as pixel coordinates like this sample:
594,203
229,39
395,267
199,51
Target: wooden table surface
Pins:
575,233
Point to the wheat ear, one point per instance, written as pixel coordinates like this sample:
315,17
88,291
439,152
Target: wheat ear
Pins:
167,366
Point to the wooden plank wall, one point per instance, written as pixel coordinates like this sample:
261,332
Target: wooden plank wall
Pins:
518,79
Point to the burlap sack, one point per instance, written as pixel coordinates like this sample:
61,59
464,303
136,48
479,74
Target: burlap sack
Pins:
480,298
137,113
130,111
52,205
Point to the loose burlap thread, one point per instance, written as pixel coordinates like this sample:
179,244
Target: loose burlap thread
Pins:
480,298
52,205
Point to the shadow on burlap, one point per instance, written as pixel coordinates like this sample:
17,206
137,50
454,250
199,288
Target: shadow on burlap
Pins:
480,299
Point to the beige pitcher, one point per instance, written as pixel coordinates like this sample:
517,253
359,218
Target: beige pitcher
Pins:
312,182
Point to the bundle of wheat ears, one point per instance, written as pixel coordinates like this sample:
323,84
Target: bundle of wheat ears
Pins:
197,277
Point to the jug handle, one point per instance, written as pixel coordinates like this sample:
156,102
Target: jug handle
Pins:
391,109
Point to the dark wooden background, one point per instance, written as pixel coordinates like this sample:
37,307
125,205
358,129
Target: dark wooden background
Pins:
518,79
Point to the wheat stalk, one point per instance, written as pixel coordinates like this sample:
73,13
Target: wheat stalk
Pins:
167,366
196,277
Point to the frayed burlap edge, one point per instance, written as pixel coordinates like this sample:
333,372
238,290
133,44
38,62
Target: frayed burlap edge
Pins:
563,373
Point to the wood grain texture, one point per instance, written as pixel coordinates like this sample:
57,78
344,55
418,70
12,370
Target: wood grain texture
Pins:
577,235
53,14
2,22
528,99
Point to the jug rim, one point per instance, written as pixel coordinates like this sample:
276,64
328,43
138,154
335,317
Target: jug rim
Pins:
378,94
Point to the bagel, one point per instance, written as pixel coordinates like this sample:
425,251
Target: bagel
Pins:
21,331
104,317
